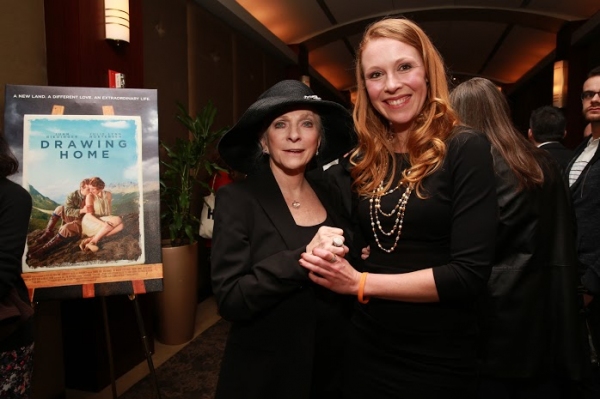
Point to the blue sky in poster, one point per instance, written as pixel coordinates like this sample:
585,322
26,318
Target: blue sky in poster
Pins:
63,150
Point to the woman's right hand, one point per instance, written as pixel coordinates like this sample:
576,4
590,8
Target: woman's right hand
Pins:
327,238
334,273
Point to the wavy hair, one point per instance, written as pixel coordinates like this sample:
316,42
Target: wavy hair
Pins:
482,106
373,160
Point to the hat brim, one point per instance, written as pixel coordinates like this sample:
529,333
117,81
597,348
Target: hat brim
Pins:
240,145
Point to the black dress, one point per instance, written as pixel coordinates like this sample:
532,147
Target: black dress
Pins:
427,350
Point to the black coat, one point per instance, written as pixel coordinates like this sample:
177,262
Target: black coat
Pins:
260,287
559,152
585,193
531,324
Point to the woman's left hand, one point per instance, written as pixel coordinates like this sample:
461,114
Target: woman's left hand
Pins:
331,271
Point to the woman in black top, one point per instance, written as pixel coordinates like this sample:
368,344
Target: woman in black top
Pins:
531,337
16,332
427,209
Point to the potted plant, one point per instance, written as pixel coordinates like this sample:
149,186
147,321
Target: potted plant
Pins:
187,159
187,163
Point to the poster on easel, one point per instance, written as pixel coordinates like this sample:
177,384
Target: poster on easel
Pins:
89,159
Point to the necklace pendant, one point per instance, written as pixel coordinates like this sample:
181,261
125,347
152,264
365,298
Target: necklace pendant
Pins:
295,204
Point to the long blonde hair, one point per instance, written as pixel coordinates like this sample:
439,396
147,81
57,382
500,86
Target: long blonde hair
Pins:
373,160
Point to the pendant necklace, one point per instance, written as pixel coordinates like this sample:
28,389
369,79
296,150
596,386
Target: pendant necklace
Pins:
295,204
398,209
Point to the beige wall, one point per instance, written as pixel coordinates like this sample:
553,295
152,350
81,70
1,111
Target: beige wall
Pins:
22,45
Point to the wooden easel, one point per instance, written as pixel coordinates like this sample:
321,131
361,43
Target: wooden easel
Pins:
88,291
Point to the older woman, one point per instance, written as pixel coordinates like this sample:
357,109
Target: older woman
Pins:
287,333
426,206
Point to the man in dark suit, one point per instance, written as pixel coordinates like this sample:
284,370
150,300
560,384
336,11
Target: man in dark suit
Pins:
546,129
584,181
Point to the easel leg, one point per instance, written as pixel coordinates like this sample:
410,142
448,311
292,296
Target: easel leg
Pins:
111,363
140,322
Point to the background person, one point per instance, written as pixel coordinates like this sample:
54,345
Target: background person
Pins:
531,332
546,130
584,182
427,209
287,334
16,321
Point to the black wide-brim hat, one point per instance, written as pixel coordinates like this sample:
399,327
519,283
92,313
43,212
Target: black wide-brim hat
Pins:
240,145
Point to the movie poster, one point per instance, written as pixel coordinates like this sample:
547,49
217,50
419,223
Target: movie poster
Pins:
89,159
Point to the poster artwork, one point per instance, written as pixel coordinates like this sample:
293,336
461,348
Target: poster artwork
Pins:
89,158
100,149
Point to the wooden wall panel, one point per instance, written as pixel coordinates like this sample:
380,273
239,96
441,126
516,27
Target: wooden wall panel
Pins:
78,54
210,64
531,95
249,73
166,61
274,70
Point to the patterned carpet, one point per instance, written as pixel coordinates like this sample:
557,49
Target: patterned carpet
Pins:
191,373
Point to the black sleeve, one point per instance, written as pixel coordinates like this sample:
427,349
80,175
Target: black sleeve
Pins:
474,219
340,183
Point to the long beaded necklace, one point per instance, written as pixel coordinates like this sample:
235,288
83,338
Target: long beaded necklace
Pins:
398,209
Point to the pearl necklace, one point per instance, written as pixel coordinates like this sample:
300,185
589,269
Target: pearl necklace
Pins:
398,209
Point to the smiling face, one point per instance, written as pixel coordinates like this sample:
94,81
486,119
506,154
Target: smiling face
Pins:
591,106
292,140
395,81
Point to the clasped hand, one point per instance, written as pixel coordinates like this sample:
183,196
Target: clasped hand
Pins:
326,264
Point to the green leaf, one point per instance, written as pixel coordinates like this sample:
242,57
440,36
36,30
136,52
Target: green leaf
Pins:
185,159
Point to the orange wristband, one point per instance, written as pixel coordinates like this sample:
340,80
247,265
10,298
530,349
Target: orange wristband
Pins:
361,289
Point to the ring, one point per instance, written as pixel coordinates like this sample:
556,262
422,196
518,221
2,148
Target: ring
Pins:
333,259
337,242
